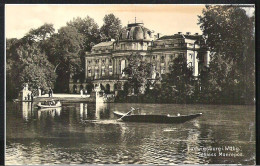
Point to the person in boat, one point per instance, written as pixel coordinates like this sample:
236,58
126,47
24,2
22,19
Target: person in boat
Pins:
134,111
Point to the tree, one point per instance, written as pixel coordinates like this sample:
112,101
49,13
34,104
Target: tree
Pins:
10,66
89,29
230,37
40,34
64,53
111,27
26,64
179,82
138,72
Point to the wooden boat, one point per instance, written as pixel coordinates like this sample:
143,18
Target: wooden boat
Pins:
49,104
17,100
50,109
155,118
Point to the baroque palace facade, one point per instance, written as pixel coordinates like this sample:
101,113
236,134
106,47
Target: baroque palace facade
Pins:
105,63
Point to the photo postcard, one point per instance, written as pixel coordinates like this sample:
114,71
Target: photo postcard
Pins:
157,84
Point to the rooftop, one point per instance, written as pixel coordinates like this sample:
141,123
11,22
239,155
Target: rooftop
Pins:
175,36
104,44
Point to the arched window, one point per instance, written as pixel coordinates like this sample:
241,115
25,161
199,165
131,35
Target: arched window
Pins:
102,87
107,88
115,86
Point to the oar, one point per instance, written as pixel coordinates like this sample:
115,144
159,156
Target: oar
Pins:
126,113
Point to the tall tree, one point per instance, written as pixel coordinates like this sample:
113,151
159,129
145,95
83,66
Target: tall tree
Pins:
138,72
111,27
26,64
89,29
179,82
230,37
64,52
40,34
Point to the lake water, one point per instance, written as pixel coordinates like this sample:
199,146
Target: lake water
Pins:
88,133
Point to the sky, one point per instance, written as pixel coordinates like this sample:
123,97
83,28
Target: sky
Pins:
165,19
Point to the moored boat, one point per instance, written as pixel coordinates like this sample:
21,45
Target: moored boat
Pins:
49,104
17,100
155,118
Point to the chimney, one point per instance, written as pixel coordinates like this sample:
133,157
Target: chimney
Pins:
196,34
179,33
187,33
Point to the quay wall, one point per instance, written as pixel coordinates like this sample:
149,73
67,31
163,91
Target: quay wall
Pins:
67,97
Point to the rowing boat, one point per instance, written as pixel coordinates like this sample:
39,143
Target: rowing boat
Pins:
156,118
49,104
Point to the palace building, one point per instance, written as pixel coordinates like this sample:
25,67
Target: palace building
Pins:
105,63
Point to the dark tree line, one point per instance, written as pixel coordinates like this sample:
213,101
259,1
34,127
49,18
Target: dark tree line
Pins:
43,58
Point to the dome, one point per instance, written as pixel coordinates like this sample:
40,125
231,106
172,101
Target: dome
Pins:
135,32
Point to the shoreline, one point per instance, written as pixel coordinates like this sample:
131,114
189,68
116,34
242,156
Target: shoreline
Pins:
77,100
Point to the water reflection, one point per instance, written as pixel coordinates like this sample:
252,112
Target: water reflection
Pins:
193,155
26,109
30,111
102,111
49,135
53,112
83,111
92,111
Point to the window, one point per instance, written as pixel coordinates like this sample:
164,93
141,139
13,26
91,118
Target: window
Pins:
190,56
122,65
110,61
96,73
162,58
89,62
97,61
103,62
89,72
122,46
103,71
110,70
153,57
